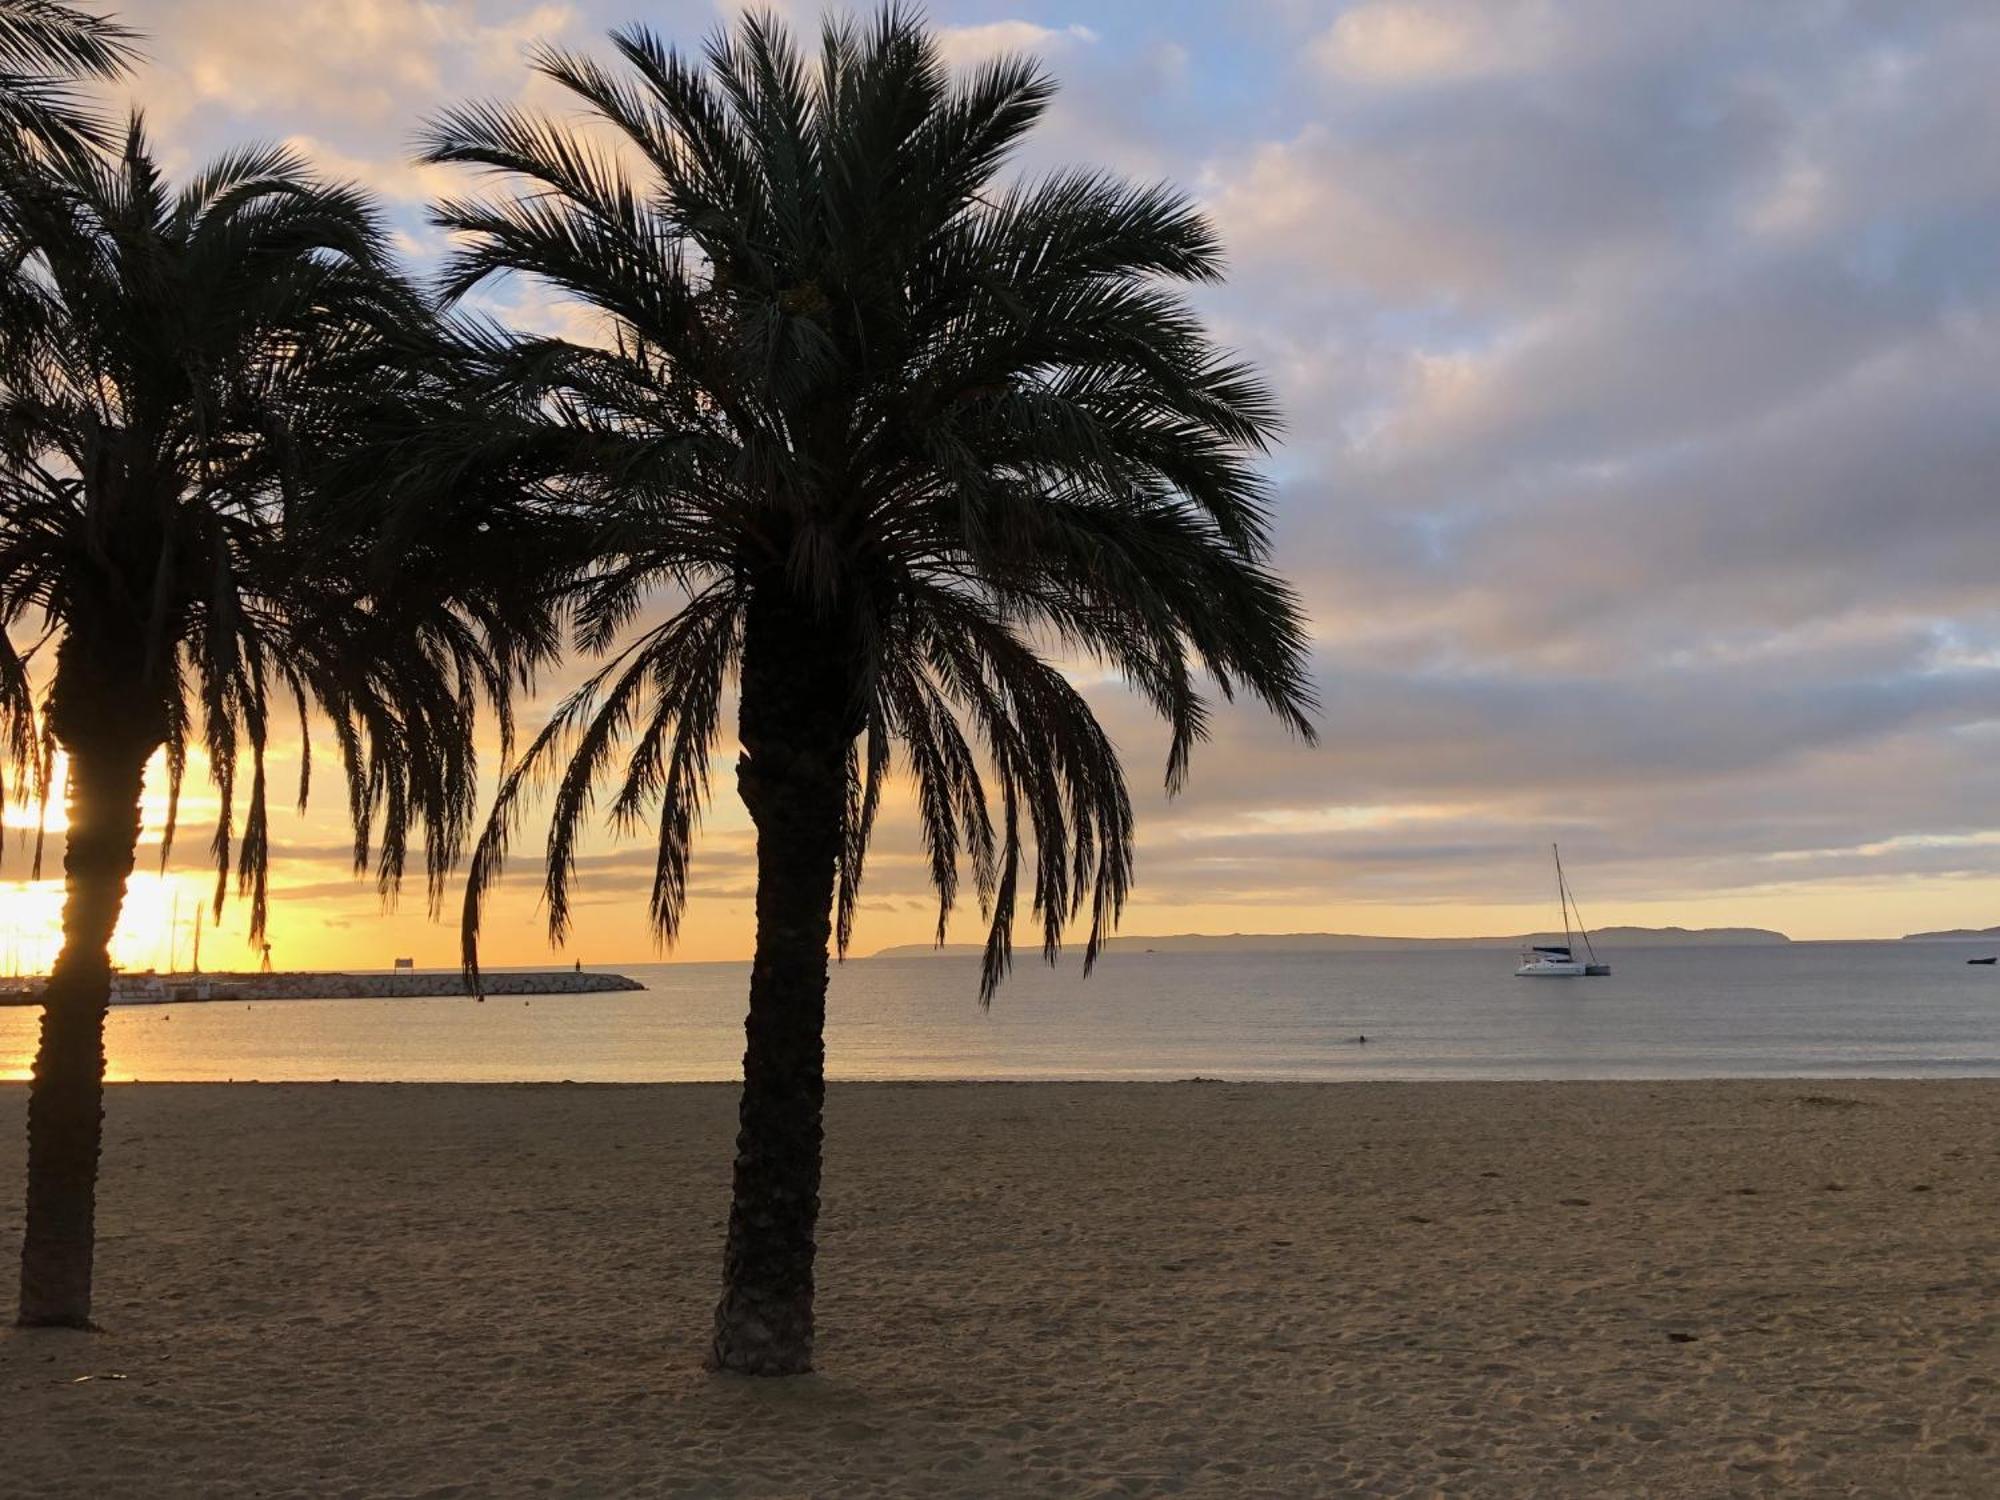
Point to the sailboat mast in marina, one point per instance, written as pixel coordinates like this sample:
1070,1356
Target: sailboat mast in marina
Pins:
1559,961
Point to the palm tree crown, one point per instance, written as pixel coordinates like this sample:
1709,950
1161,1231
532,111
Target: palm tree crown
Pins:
175,368
848,377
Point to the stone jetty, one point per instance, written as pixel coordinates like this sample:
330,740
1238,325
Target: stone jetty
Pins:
184,989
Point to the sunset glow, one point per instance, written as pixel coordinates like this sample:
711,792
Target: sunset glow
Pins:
1693,702
155,930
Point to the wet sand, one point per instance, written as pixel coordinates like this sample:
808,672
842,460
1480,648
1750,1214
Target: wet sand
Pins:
1061,1290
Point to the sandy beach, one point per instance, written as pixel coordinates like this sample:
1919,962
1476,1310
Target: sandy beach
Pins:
1119,1289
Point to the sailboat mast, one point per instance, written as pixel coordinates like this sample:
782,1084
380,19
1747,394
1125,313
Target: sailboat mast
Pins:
1562,893
1569,905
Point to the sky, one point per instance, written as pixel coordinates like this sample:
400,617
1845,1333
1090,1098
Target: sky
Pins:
1641,367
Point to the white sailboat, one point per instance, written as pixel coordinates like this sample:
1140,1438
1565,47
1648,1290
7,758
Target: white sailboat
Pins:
1553,961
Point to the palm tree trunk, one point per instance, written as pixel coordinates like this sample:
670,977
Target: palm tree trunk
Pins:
794,726
107,772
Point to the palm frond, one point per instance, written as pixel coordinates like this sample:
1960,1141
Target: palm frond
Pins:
45,50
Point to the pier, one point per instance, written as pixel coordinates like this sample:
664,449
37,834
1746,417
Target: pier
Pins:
195,989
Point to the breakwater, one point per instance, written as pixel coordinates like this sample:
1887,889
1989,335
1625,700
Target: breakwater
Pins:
194,989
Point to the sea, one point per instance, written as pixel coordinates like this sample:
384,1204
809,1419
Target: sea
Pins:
1803,1010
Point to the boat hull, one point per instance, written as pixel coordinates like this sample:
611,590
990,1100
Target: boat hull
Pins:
1550,971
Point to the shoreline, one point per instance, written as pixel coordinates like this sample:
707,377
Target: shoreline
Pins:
1217,1289
1810,1082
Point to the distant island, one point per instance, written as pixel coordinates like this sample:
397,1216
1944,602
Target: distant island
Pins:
1955,935
1345,942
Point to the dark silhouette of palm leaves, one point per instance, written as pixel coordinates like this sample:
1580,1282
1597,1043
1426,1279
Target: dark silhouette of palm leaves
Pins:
45,49
180,374
971,422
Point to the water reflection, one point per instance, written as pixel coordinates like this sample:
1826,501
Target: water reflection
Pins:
1807,1009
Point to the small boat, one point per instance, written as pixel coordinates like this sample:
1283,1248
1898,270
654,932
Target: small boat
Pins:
1550,962
1559,961
1994,960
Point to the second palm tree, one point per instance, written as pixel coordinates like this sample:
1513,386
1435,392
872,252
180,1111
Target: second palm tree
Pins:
177,372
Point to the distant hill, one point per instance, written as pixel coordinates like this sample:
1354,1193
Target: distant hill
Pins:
1955,935
1345,942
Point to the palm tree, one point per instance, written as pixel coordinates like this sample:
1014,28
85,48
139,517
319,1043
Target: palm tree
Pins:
44,49
882,432
176,371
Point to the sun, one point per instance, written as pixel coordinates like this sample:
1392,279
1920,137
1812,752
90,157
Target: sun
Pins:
156,927
155,930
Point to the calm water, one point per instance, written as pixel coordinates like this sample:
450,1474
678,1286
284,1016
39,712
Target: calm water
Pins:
1811,1009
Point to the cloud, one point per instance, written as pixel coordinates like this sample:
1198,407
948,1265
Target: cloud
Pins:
962,46
1642,491
396,177
1412,41
343,60
350,79
1642,367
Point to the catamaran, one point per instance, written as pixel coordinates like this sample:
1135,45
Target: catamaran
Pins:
1559,961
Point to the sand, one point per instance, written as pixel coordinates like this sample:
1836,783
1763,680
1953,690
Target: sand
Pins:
1122,1289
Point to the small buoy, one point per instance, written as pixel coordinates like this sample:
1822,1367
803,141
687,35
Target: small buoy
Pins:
1362,1040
